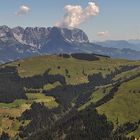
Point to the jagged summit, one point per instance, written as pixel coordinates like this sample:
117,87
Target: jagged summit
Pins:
35,36
18,43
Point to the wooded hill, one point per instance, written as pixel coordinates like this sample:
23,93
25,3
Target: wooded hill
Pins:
70,97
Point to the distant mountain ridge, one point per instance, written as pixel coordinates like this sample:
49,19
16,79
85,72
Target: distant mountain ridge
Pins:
121,44
18,43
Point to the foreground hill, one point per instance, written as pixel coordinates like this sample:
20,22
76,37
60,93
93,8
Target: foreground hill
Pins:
65,97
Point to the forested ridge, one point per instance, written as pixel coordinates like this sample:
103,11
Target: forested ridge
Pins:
65,121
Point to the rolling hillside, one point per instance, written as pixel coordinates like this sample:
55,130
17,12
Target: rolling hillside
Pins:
61,90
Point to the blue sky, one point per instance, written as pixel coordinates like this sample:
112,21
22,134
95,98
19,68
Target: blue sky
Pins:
117,19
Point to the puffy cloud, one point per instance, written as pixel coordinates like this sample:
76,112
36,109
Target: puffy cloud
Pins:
75,14
103,34
23,10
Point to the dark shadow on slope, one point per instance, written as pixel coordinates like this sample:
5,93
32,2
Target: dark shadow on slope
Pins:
10,85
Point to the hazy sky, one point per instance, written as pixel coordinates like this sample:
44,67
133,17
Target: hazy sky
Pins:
116,19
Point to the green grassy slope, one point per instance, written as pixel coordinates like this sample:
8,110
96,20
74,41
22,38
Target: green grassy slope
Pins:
125,104
9,112
75,67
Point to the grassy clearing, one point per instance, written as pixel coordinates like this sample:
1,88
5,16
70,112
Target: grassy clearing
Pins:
125,105
127,74
15,104
8,119
96,96
51,86
41,98
9,112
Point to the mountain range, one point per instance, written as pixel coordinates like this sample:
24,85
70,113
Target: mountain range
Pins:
121,44
18,43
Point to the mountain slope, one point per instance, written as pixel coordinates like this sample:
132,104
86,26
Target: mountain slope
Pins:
121,44
67,89
18,43
113,52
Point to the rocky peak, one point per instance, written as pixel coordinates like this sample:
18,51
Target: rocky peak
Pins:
38,37
55,34
5,33
74,35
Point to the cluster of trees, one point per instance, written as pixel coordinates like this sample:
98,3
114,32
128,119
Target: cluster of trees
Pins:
83,125
126,128
134,91
67,73
38,81
10,85
41,118
83,56
64,55
107,97
98,79
66,95
79,94
4,136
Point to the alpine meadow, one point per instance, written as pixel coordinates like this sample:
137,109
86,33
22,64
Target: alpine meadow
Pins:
69,70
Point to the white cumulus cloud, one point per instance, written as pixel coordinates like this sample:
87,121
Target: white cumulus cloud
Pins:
23,10
75,14
103,34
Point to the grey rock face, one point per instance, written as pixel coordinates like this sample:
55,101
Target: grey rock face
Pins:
39,36
18,43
